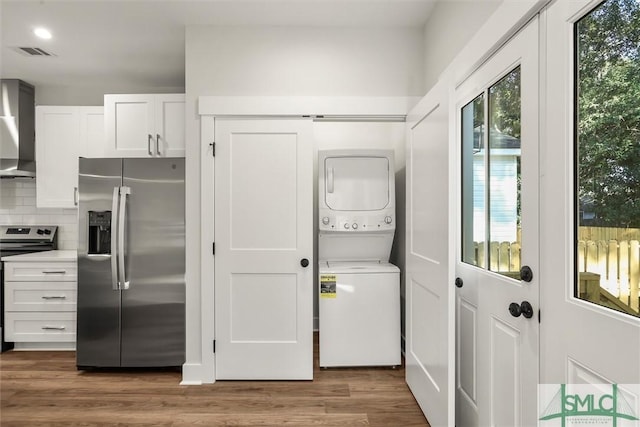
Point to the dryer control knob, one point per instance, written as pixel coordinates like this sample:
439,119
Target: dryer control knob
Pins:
388,219
346,226
354,226
325,220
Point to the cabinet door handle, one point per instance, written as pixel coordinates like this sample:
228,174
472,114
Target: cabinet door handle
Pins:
158,143
54,271
149,142
54,328
75,196
47,297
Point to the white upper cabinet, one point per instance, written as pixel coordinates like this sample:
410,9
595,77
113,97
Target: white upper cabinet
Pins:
92,138
63,134
144,125
57,148
170,130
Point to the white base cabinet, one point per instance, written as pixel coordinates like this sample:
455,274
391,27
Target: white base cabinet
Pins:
144,125
40,303
64,133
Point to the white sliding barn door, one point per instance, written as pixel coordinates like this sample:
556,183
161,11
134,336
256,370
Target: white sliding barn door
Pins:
497,329
264,249
429,294
582,342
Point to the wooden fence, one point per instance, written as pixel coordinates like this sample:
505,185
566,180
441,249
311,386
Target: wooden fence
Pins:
608,233
617,263
609,271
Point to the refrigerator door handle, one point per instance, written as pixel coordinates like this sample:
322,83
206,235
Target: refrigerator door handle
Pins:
124,283
114,240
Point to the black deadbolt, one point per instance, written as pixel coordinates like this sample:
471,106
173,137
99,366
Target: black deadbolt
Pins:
459,282
304,262
526,274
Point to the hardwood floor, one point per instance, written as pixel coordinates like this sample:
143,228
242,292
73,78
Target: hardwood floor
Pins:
45,389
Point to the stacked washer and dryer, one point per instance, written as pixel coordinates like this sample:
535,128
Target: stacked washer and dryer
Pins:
359,292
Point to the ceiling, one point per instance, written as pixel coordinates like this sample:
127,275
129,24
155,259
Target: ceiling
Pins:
128,43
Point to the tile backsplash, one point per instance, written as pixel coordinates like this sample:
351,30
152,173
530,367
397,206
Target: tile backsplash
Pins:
18,207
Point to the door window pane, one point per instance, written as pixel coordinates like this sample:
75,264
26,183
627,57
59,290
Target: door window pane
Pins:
504,175
491,215
473,182
608,156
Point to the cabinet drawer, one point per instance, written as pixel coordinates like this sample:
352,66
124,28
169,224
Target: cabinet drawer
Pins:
41,271
40,327
40,296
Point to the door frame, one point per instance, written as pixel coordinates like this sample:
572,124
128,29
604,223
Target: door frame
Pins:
200,365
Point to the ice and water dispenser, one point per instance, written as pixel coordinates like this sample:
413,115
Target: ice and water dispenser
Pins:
99,232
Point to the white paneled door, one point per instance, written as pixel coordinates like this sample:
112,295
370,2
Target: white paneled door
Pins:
429,290
497,329
582,341
263,249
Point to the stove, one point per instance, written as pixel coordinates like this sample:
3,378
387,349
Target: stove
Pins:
17,240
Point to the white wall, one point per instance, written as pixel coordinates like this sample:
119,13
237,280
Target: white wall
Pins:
289,61
304,61
448,29
18,207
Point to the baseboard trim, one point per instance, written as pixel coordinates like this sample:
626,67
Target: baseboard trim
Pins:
191,374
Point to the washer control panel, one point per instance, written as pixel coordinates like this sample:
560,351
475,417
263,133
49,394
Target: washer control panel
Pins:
357,223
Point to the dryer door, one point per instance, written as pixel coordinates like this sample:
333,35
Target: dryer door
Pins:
356,183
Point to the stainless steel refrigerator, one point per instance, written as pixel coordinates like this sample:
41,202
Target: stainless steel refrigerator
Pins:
131,263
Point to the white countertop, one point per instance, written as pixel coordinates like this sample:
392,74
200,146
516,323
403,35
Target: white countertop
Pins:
43,256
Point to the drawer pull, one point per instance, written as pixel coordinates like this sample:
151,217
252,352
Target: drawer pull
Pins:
53,328
54,297
54,271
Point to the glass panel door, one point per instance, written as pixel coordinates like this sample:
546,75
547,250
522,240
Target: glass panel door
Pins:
607,155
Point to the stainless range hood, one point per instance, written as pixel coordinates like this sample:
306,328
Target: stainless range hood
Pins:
17,129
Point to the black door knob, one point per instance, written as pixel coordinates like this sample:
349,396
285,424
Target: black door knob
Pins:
514,309
304,262
523,308
526,274
527,310
459,282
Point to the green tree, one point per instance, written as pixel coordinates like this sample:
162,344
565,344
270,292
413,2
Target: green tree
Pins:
608,130
504,105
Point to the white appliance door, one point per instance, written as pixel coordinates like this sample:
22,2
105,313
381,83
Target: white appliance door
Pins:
356,183
429,331
264,249
359,314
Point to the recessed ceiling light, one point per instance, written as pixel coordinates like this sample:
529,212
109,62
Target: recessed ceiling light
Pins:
43,33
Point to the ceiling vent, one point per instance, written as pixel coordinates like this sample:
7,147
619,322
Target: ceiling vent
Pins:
33,51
